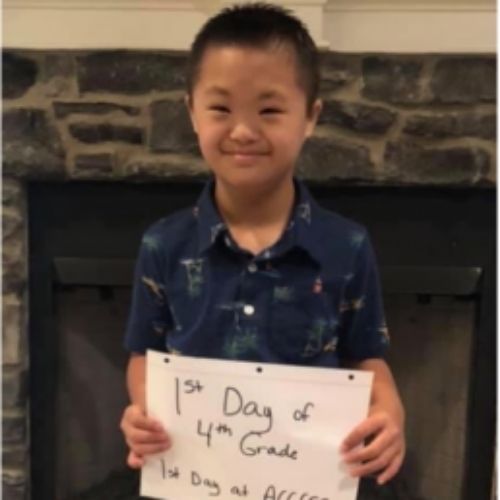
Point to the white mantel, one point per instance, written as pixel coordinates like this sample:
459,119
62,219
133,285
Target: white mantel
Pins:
396,26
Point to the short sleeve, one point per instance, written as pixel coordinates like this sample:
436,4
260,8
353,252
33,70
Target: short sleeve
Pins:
149,317
363,331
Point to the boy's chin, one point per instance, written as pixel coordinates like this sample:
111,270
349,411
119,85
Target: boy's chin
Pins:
248,182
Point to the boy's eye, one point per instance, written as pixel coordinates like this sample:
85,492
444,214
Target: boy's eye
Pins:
271,111
219,109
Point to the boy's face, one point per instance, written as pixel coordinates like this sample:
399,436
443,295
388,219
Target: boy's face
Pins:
250,115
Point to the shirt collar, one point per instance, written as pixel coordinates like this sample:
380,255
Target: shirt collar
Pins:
302,230
210,223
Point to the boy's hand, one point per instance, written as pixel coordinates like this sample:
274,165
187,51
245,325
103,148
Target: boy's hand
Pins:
143,435
383,454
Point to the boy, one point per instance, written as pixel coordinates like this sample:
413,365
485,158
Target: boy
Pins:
257,270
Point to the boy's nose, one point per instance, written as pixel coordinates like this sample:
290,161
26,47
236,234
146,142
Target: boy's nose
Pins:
243,132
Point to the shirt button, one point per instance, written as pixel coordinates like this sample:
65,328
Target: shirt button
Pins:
248,309
252,267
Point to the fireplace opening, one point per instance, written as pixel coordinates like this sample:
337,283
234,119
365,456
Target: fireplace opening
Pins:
437,259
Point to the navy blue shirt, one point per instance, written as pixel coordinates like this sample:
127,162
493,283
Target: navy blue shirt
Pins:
313,298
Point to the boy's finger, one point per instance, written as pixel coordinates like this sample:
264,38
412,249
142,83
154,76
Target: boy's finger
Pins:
375,448
391,470
134,461
367,428
380,464
141,421
149,424
138,436
149,449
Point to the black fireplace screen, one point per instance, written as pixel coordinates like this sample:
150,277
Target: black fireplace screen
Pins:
437,258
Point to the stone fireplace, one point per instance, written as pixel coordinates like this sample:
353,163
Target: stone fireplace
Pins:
87,125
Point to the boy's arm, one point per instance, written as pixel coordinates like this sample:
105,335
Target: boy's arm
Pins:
384,392
142,434
148,322
136,380
385,451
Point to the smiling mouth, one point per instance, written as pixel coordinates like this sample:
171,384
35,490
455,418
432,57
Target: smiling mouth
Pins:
244,153
245,159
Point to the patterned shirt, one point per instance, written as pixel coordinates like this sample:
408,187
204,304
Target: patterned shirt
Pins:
313,298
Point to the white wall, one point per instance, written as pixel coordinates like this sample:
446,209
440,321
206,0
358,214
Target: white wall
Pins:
403,26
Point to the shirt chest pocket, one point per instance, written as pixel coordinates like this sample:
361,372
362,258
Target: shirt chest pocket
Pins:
303,323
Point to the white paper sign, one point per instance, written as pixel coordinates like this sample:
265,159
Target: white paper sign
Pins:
254,431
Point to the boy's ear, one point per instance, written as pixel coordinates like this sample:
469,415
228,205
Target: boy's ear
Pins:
313,117
189,105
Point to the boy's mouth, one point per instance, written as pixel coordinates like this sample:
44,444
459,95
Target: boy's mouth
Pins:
244,153
245,157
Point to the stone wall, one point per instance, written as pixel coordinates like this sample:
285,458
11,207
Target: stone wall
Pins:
388,120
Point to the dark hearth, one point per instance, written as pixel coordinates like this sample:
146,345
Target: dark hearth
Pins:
119,485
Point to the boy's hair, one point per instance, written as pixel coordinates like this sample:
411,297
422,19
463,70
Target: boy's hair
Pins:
258,25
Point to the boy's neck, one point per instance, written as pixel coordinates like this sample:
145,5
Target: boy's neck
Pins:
256,220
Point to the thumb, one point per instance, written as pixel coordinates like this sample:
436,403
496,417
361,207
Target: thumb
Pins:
134,461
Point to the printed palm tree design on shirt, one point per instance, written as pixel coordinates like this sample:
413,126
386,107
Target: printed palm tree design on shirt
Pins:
332,345
159,327
150,242
240,344
356,238
304,212
171,350
283,293
175,318
352,305
319,328
231,306
157,289
236,308
194,271
384,333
